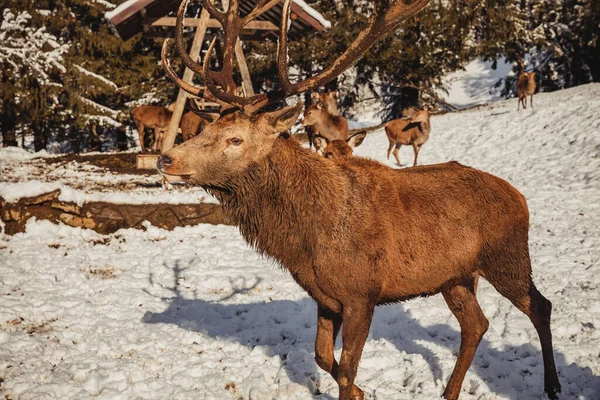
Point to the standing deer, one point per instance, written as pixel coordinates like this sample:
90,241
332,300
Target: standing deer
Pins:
525,86
193,122
154,117
342,242
332,127
339,147
328,100
413,131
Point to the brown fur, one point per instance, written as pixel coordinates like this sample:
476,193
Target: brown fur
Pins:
154,117
372,235
332,127
340,148
525,86
413,131
327,101
191,125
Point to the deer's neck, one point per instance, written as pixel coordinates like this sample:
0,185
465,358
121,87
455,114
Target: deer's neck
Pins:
281,205
425,128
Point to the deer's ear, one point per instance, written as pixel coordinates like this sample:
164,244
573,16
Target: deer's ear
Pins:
356,139
320,142
281,120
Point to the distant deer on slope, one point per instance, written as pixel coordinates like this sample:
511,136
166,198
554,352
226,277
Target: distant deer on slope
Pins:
408,131
525,86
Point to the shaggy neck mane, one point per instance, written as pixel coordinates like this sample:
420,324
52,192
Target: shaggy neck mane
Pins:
279,203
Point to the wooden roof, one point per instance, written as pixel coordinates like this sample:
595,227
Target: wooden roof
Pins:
150,16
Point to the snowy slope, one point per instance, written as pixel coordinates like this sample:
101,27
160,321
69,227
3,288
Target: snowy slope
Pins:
196,314
478,83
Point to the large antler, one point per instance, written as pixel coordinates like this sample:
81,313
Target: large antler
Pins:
386,16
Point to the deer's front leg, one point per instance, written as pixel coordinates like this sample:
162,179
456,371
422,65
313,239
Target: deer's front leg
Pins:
328,327
357,320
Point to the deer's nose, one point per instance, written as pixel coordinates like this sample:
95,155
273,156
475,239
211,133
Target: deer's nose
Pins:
164,162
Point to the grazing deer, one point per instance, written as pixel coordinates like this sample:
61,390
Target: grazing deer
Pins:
525,86
342,241
154,117
413,131
193,122
332,127
340,148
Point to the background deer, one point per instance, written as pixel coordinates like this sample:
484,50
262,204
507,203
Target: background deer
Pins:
328,101
193,122
372,235
525,86
153,117
408,131
339,148
331,127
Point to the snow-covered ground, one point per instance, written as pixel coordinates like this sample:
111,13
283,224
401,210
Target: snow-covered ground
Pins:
195,314
23,174
478,83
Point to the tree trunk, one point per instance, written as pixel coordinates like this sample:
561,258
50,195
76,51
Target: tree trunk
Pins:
39,137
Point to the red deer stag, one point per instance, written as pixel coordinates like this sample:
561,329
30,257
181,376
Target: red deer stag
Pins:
342,242
413,131
340,148
525,86
332,127
154,117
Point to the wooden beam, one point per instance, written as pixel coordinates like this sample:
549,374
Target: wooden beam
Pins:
212,23
241,60
171,134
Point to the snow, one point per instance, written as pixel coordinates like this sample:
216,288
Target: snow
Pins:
122,7
23,174
105,3
34,48
113,113
303,5
479,83
102,120
313,13
94,75
195,313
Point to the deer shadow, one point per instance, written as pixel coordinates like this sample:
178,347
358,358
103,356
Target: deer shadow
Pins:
287,329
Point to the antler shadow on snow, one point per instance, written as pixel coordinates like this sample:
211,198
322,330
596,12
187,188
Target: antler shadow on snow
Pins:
284,326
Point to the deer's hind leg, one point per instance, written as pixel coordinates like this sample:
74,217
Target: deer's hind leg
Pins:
473,325
525,296
395,152
328,327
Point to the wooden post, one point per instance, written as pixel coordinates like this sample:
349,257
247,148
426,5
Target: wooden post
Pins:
241,60
187,77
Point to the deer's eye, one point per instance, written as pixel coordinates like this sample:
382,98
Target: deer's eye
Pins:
235,141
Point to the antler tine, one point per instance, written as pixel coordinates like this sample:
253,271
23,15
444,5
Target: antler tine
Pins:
212,10
282,47
220,94
166,63
381,22
179,44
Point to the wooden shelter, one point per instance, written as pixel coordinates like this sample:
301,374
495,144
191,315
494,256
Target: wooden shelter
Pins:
155,18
